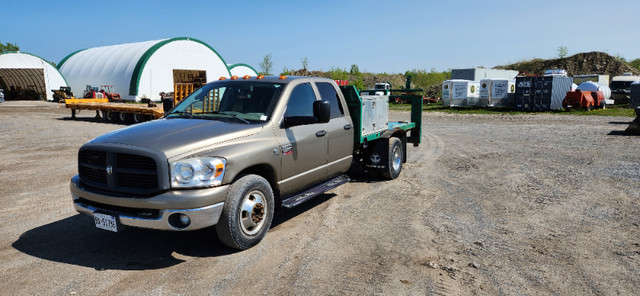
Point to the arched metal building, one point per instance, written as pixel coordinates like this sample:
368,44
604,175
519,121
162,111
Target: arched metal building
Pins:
24,76
242,70
144,69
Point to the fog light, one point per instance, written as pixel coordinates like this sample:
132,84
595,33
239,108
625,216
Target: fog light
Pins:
184,219
179,221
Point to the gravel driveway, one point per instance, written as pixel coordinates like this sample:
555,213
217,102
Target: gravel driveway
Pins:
487,205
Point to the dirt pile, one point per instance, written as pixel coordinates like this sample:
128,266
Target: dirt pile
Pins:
579,64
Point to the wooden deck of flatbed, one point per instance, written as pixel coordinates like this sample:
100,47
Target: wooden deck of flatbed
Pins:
103,105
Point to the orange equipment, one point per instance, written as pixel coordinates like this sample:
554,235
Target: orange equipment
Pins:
583,100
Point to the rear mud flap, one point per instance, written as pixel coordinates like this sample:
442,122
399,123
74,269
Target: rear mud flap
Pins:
377,157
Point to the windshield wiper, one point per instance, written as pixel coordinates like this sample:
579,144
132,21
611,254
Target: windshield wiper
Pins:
233,115
181,114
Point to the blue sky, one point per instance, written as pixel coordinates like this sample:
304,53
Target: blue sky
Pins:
378,36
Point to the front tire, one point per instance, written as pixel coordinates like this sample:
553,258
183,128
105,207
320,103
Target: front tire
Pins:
396,157
247,213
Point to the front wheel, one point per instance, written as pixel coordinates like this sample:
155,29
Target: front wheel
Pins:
396,157
247,213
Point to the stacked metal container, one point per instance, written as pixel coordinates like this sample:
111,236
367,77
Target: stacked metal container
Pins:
464,93
446,93
496,93
635,95
541,93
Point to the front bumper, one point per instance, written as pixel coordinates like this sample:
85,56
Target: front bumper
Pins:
202,206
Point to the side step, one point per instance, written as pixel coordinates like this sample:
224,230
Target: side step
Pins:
315,191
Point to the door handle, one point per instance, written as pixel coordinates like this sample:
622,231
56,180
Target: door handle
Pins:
348,126
321,133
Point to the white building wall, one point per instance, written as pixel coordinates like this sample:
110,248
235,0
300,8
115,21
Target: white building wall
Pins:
157,75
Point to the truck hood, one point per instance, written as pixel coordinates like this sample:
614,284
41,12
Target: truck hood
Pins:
179,136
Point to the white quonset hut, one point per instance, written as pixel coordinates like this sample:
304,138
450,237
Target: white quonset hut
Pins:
25,76
144,69
242,70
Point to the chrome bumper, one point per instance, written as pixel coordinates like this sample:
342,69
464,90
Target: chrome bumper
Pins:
200,217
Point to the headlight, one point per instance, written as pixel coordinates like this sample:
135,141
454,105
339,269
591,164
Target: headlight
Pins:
198,172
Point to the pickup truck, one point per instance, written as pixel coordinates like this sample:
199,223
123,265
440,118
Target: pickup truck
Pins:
235,151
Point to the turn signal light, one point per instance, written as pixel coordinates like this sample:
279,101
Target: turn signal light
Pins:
219,169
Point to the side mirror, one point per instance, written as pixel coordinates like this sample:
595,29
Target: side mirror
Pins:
322,111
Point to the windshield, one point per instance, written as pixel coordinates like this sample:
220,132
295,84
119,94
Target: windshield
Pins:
240,100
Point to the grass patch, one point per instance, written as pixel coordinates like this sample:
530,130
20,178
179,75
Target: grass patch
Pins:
611,110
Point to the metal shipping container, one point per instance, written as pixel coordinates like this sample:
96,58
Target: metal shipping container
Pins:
496,93
635,95
464,93
446,93
541,93
602,79
477,74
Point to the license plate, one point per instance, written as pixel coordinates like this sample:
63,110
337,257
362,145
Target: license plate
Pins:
106,222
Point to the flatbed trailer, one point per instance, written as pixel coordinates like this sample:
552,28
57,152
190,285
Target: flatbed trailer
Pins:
115,112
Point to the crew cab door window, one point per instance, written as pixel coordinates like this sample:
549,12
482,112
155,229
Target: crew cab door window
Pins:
301,101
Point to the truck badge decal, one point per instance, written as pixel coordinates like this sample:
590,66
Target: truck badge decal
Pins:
375,158
109,170
287,149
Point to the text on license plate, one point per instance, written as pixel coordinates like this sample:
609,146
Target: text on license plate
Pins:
106,222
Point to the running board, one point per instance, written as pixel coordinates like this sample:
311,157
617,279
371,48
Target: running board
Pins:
315,191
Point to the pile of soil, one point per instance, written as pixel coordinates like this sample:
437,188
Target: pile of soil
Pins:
580,64
368,79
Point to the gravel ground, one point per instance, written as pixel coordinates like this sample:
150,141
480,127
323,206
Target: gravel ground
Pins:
486,205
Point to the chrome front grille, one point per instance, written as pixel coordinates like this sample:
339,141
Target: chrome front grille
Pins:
119,172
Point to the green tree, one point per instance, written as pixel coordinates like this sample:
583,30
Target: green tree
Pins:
285,71
354,70
266,65
635,63
562,52
8,47
621,58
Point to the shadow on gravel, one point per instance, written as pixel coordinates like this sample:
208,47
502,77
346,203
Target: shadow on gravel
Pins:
75,241
90,119
617,133
288,214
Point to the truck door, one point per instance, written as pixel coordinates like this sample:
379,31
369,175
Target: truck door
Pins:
303,147
339,131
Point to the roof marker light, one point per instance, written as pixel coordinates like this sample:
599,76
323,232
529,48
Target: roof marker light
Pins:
283,77
222,78
246,77
260,77
234,77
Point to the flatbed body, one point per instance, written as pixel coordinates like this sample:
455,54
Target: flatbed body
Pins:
104,106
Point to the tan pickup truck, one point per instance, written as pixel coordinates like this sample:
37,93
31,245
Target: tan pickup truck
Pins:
236,150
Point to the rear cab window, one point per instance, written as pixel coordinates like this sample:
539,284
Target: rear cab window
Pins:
329,93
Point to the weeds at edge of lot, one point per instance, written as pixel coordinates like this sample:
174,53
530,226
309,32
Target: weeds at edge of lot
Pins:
611,110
